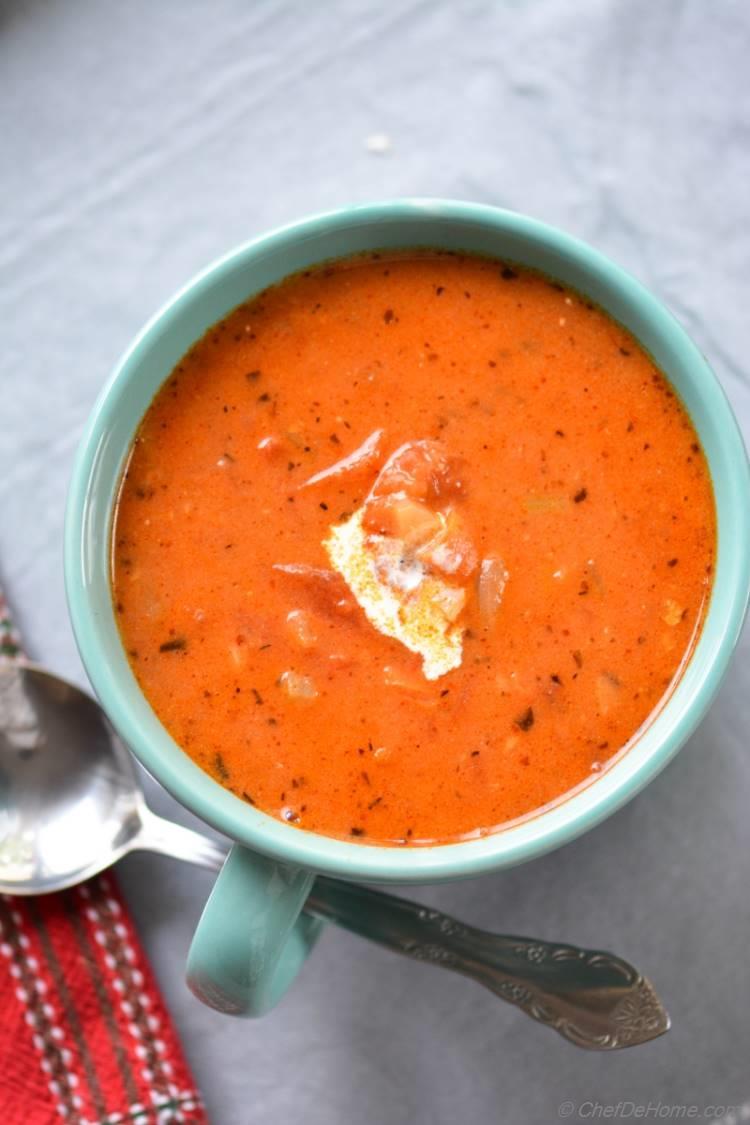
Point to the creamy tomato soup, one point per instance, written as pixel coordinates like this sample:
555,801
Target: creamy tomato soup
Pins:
409,547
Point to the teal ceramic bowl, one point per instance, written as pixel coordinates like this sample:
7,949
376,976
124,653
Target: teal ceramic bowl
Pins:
255,265
206,299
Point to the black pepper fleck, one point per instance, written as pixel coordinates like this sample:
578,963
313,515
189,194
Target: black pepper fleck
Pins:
176,644
526,720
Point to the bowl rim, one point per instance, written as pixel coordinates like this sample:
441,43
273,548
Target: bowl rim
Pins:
548,828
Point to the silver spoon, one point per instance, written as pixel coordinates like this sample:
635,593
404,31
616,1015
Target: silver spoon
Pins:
71,805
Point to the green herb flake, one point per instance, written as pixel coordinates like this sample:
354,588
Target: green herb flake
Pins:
220,767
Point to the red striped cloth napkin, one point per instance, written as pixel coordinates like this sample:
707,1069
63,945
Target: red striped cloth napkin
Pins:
84,1033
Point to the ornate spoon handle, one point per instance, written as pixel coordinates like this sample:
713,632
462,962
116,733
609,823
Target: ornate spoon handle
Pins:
591,998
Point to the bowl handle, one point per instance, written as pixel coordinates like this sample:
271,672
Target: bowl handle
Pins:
252,938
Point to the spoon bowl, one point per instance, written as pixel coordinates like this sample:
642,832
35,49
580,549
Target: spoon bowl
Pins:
70,800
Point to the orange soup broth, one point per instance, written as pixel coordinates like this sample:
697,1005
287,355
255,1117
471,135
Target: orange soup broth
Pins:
581,471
